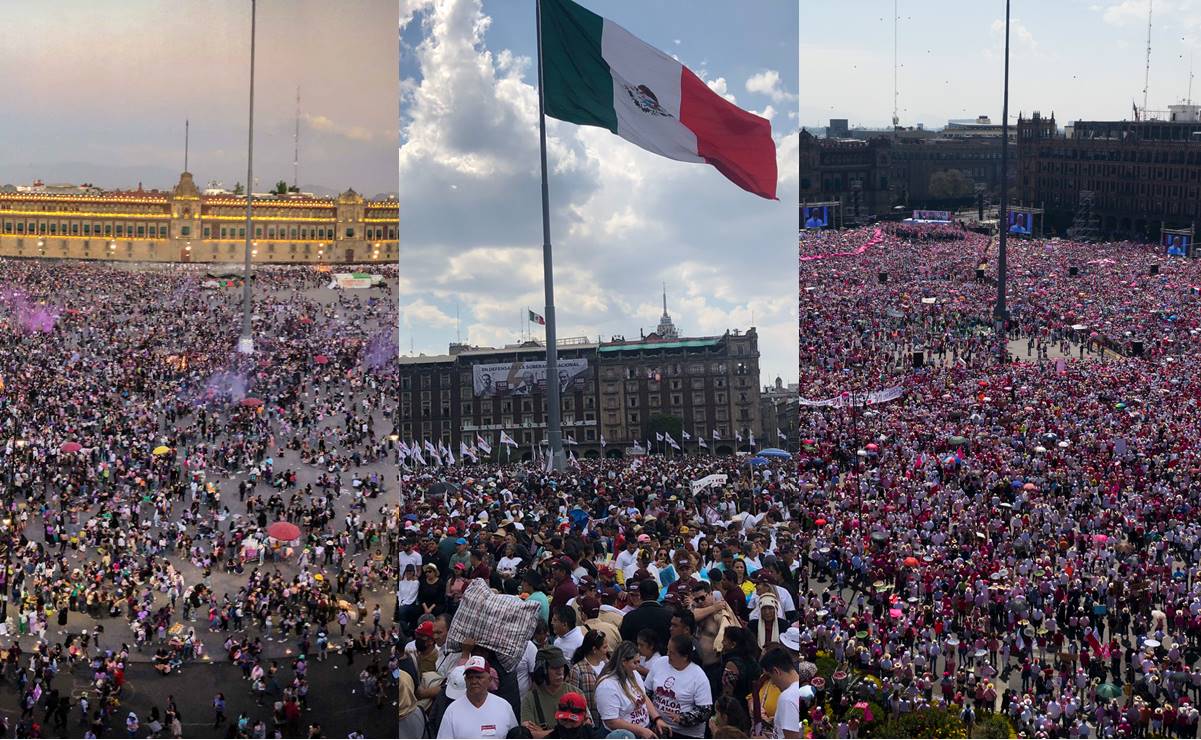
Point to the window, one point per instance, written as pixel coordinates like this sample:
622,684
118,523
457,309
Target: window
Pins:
186,231
350,233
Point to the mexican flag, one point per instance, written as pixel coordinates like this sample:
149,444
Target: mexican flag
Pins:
595,73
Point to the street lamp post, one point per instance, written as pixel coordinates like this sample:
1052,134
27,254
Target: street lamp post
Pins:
246,340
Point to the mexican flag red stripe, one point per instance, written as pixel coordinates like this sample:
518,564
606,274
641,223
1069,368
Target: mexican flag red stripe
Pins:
595,73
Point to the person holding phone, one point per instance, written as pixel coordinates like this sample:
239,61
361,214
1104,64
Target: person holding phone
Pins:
680,689
621,698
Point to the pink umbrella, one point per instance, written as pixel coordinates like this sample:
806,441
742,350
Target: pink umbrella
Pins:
252,402
284,531
70,447
1100,539
321,359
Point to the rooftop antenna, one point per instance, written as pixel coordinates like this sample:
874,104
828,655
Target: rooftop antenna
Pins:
1189,101
1147,68
185,144
664,298
458,326
296,146
895,17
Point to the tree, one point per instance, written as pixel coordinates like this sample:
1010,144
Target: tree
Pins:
281,188
950,184
238,189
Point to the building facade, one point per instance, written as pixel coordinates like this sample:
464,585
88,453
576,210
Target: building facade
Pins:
855,173
185,225
1142,175
707,383
780,409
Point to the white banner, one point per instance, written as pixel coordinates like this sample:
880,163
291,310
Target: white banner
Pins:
858,399
709,481
522,378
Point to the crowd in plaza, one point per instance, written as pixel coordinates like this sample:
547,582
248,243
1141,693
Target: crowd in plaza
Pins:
169,501
1009,539
655,610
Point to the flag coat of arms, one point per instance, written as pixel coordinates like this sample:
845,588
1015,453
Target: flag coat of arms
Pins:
596,73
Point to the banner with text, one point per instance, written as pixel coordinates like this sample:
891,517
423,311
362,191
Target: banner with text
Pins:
858,399
524,378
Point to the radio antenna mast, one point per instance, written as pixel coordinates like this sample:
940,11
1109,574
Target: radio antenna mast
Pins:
895,17
296,146
1147,68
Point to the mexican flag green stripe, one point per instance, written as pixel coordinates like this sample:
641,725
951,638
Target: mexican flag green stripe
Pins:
596,73
578,86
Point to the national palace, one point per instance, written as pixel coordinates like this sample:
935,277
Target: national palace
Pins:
184,225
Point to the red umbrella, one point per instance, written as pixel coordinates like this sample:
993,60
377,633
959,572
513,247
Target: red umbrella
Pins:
820,522
70,447
911,561
284,531
321,359
252,402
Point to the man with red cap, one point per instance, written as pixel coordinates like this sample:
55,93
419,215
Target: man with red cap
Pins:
571,721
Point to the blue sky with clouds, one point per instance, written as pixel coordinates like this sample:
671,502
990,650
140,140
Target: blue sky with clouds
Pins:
623,220
98,91
1084,59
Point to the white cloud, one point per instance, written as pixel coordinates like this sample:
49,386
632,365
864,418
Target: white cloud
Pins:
326,125
719,86
1020,37
767,83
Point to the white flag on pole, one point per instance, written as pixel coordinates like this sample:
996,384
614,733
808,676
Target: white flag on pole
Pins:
483,444
685,435
505,439
701,442
602,441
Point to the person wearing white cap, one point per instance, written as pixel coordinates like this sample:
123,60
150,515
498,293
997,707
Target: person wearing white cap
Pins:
474,712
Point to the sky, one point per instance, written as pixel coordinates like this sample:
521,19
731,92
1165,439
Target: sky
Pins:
99,91
623,221
1082,59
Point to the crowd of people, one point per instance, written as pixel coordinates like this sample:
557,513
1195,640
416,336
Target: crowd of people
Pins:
663,609
1014,535
148,468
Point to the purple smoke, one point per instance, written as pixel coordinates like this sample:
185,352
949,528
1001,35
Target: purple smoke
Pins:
225,384
28,315
381,349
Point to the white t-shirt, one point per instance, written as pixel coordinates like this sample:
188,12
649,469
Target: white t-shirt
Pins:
508,564
627,563
612,702
788,710
570,641
678,692
526,666
463,719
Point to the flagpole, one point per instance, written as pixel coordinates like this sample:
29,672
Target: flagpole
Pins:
554,427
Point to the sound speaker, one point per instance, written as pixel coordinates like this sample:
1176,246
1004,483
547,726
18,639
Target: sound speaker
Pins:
1154,269
919,359
883,277
1136,348
1073,271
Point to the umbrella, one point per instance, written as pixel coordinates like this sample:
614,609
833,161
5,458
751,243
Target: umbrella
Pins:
757,460
1100,539
284,531
873,447
911,561
70,447
775,452
160,450
344,604
956,440
819,522
1109,691
321,359
252,402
